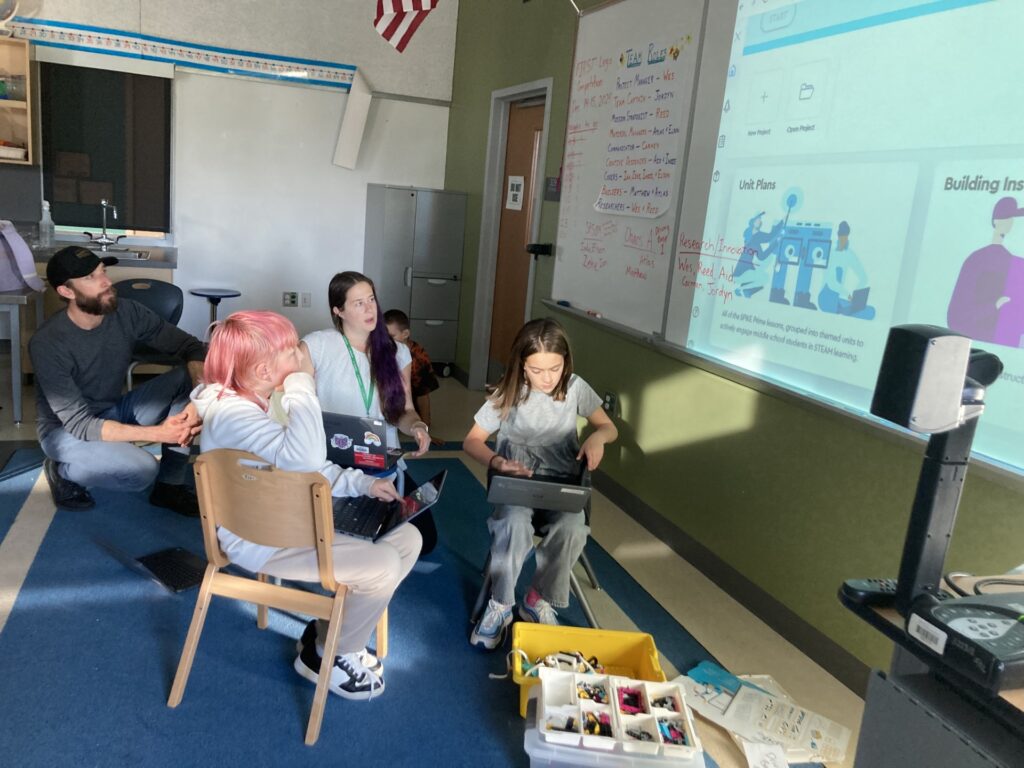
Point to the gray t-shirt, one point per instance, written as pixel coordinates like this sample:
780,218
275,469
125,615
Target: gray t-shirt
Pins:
80,373
541,432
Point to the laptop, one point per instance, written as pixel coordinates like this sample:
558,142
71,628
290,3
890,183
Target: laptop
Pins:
175,569
368,518
359,441
554,492
858,301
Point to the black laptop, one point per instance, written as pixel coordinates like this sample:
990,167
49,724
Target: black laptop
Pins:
368,518
555,492
359,441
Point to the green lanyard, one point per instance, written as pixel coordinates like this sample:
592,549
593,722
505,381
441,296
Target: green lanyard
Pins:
367,396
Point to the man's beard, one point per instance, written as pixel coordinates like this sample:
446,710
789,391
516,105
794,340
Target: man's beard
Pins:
97,305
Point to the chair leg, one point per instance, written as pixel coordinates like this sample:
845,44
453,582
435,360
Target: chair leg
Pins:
574,584
316,715
192,638
382,635
484,594
261,610
585,562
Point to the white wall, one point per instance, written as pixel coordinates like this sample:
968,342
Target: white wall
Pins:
257,204
340,31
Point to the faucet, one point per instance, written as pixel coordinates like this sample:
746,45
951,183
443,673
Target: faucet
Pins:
104,240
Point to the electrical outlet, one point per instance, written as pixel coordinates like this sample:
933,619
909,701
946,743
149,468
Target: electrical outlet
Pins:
307,300
610,403
289,299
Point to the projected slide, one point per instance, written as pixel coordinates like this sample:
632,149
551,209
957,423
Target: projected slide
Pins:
865,177
819,254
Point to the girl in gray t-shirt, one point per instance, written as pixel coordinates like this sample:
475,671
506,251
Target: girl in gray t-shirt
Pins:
534,410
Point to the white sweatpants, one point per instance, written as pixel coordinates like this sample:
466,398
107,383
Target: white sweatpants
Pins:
371,570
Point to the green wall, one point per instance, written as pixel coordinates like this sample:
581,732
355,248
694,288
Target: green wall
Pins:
794,497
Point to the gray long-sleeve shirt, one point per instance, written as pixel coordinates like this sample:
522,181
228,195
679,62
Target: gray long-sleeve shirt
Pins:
80,373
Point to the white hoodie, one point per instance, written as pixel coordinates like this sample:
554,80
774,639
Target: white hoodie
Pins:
231,421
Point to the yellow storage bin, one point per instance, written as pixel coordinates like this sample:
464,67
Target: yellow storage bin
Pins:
629,654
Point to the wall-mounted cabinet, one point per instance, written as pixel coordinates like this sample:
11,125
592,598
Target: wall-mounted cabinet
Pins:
15,102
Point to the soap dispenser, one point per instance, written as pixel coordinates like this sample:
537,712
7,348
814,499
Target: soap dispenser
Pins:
46,227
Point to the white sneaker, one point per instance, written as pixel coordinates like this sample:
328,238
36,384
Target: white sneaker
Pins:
490,630
540,612
350,679
369,661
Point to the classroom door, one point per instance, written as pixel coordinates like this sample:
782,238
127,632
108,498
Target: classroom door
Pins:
512,270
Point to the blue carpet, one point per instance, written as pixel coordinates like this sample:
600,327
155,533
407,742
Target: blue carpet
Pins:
90,650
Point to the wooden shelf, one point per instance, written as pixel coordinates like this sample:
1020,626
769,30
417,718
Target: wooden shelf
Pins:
16,114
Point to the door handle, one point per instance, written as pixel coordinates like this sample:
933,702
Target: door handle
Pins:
408,277
433,322
437,281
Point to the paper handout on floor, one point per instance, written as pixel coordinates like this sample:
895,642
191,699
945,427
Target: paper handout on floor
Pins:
757,710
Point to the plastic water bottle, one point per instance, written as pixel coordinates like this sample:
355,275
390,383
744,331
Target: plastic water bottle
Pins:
46,227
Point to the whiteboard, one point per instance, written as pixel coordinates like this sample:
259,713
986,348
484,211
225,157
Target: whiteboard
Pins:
630,108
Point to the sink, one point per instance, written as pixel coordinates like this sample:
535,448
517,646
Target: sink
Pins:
122,253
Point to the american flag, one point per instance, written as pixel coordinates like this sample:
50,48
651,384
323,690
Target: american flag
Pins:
397,20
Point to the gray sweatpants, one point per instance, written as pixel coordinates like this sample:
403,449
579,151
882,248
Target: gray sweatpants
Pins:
512,528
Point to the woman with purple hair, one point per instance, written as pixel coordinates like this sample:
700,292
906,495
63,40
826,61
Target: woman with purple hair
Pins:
361,371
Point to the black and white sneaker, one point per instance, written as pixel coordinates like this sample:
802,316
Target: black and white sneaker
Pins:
66,494
349,678
369,661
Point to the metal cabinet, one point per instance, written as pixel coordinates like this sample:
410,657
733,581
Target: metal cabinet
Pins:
413,254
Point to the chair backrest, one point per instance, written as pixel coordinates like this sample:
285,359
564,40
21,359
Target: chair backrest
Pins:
264,505
166,299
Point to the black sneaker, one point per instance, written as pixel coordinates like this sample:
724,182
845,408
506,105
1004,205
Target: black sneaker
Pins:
177,497
66,494
369,661
349,678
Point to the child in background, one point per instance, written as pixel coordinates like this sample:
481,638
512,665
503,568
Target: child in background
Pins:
423,379
251,355
533,409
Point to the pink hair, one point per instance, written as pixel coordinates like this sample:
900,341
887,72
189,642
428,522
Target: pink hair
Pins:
242,342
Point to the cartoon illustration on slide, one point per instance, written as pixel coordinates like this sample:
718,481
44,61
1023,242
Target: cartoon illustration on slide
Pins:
833,273
845,290
988,299
805,245
752,271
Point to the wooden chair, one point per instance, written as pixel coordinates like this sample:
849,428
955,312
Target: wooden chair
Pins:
276,508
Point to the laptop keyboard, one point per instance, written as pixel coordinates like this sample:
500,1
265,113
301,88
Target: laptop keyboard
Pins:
358,515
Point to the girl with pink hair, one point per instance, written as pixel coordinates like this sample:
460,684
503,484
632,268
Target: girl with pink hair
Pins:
251,355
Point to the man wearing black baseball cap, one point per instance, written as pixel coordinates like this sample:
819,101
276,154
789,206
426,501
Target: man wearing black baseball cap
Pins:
86,426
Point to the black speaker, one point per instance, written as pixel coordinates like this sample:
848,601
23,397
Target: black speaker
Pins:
921,379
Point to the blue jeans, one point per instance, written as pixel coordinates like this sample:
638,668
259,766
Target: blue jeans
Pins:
124,466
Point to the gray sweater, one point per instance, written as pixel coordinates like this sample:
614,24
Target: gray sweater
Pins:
80,373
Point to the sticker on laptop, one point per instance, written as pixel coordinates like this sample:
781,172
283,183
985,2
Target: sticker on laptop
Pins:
341,442
368,460
371,438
